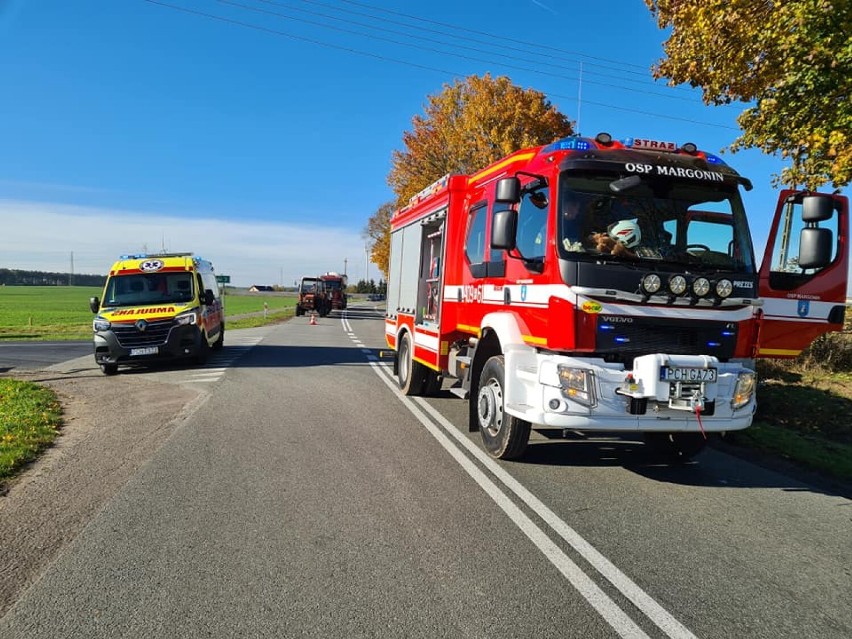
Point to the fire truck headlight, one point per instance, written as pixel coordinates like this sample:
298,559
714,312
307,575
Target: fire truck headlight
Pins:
724,288
651,283
577,384
677,284
701,286
187,319
744,389
100,324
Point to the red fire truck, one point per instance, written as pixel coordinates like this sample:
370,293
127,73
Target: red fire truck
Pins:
335,286
604,285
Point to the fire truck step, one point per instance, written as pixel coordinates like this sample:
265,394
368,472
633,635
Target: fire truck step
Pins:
458,391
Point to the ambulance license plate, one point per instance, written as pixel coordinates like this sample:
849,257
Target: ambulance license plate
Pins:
683,374
147,350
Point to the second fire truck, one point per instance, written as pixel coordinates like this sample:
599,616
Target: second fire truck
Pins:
604,285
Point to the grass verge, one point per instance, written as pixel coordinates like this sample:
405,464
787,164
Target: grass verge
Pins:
30,417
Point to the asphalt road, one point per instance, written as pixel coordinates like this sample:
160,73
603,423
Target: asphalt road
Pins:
304,497
35,355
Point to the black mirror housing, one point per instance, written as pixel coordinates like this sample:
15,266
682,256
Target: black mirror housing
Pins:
817,208
209,297
815,247
94,304
504,229
507,191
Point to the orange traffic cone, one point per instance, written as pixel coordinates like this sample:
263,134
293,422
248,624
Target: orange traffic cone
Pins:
313,321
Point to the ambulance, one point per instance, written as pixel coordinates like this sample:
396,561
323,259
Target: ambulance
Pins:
157,308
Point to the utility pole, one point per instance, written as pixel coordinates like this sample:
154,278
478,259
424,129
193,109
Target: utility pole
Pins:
71,276
345,263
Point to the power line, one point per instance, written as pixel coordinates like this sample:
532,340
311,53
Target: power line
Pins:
450,53
402,62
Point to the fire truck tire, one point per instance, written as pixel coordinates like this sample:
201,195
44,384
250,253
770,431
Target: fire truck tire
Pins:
109,369
411,375
675,447
299,311
504,436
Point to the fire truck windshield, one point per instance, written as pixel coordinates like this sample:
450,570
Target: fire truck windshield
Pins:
685,223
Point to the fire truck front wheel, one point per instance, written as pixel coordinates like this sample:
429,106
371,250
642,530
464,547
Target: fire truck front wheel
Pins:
411,375
504,436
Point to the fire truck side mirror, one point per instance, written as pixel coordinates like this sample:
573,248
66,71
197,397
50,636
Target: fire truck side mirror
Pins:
817,208
508,191
504,229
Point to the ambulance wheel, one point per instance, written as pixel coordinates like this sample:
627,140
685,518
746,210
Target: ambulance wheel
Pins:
675,447
109,369
504,436
203,351
220,340
410,374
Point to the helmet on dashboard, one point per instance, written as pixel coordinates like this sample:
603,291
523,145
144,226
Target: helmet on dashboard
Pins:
625,232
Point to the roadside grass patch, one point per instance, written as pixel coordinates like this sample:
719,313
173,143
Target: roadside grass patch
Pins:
39,313
30,417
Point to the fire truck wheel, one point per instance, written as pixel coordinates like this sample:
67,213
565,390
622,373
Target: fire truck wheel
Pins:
411,375
675,447
109,369
504,436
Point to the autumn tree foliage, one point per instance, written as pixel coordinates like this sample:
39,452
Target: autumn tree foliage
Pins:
378,236
792,59
466,126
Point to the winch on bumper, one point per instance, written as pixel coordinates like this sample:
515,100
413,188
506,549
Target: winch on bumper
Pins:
661,393
154,340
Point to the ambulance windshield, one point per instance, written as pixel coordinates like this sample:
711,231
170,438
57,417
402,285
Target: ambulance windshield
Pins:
685,223
139,289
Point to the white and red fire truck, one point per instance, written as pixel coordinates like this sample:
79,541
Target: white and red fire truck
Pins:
604,285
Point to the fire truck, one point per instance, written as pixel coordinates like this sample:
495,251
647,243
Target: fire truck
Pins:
312,297
335,286
595,284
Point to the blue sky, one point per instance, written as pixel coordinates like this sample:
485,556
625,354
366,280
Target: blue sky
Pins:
128,125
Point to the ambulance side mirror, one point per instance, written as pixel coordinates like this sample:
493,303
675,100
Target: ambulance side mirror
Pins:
209,297
507,191
504,229
94,304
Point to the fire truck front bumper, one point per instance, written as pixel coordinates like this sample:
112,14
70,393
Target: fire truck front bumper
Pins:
664,393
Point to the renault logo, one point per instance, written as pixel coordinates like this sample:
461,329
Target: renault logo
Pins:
141,325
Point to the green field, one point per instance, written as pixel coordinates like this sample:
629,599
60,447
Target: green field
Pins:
62,312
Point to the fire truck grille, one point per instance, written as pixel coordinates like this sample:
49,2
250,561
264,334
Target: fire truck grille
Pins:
623,338
155,334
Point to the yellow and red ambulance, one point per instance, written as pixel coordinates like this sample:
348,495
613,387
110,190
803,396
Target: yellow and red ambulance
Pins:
155,308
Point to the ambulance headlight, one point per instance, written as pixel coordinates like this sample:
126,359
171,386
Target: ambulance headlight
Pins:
187,319
100,324
577,384
744,389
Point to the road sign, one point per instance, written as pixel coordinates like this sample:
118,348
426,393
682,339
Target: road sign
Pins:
223,279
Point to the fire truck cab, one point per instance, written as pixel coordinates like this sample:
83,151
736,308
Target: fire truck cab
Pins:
604,285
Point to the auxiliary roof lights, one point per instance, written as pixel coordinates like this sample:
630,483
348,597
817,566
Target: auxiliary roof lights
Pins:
689,147
603,138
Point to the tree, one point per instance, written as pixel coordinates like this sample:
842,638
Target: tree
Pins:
377,233
468,125
793,59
